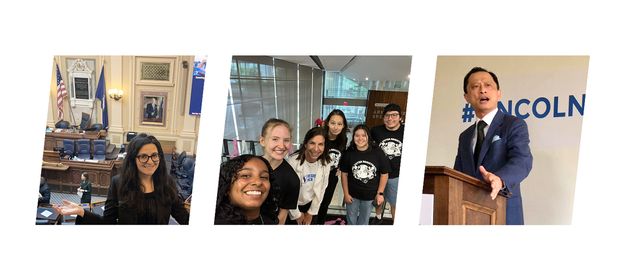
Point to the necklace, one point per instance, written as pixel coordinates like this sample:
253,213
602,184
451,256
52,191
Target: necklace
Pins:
261,217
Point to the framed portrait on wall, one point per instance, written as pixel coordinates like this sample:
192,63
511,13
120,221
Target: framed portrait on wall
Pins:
153,108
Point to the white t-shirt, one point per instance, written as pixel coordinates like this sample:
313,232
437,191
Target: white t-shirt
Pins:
314,178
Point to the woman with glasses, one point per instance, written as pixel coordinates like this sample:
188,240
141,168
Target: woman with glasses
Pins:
142,193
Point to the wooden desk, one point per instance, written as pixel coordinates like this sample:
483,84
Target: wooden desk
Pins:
460,199
56,139
55,166
51,156
65,176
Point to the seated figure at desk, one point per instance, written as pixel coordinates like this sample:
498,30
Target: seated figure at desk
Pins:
44,196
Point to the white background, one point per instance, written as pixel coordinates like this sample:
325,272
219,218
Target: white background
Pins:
596,242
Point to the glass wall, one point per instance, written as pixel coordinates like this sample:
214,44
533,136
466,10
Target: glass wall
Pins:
350,95
262,88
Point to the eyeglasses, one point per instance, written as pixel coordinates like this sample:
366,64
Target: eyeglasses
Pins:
391,115
144,158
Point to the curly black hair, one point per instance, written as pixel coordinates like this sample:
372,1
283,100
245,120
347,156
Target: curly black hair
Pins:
228,214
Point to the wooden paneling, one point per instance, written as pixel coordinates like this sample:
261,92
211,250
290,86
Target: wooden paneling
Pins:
168,146
378,99
66,176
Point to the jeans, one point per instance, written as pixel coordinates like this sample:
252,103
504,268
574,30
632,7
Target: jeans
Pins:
358,212
390,191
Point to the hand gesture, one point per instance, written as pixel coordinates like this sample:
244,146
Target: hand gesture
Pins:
69,208
495,182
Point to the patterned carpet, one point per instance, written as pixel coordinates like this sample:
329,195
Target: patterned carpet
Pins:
56,198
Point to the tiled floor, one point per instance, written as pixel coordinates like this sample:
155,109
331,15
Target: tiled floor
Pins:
56,198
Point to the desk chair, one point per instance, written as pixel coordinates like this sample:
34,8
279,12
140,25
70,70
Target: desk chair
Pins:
86,118
96,127
130,136
83,149
69,147
99,149
62,124
111,151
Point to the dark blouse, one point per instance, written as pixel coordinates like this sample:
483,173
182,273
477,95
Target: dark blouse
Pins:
117,212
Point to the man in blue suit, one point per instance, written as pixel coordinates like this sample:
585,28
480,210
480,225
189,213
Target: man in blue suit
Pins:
498,151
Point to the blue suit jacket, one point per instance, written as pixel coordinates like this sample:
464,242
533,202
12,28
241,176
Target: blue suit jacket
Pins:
504,152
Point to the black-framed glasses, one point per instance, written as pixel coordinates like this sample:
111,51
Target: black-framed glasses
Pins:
144,158
391,115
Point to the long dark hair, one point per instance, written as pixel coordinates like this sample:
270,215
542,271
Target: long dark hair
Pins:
226,213
130,191
352,145
313,132
341,139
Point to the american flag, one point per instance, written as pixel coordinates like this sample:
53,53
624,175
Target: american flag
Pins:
61,93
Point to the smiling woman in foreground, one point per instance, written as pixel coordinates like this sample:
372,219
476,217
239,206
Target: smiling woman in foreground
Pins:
245,193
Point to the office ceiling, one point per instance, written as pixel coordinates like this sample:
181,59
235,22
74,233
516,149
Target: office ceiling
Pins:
379,68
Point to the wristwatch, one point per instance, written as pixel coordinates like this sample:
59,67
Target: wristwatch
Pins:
381,193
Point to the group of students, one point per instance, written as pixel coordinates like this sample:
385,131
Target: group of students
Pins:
297,189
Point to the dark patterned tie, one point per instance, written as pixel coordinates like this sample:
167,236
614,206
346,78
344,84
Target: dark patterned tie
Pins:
480,139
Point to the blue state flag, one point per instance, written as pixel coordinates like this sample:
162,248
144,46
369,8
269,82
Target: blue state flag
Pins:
101,95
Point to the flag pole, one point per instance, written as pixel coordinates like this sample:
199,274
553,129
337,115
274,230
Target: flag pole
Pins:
70,109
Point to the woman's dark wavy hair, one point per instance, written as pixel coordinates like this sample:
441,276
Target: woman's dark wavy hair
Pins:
341,139
228,214
352,145
313,132
130,190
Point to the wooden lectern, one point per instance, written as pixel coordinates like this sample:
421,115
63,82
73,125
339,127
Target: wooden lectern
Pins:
460,199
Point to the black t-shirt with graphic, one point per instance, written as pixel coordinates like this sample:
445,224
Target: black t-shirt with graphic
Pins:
391,143
287,180
335,153
363,170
